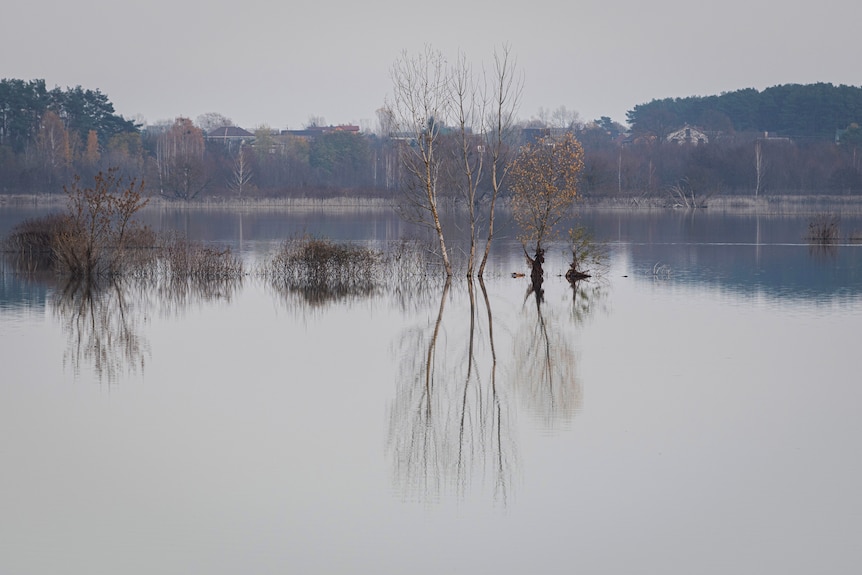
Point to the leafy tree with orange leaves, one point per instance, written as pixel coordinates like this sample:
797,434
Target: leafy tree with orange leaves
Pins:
544,185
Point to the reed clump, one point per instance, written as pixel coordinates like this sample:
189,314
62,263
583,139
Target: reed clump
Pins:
32,242
823,229
181,258
314,262
320,270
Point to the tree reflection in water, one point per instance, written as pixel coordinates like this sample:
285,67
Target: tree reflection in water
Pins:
102,324
452,421
449,424
545,360
176,294
104,320
305,295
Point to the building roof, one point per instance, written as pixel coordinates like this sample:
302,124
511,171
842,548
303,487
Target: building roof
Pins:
229,132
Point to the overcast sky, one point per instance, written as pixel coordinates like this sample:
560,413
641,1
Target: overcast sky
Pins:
279,63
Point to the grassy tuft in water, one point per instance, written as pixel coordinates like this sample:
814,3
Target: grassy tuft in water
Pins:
823,229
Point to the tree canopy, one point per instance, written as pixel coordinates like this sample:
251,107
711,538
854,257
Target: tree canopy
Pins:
799,111
544,186
23,104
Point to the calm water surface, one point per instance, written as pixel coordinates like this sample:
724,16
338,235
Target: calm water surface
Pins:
696,410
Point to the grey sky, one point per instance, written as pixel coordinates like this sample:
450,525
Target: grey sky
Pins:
278,63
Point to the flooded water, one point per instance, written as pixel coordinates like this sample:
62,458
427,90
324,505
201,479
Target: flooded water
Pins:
694,410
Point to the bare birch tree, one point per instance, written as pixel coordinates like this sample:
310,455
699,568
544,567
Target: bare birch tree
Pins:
759,167
503,92
481,109
420,106
468,112
485,111
241,173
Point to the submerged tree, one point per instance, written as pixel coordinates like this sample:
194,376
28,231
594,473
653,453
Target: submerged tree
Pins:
502,95
100,225
544,185
454,125
420,107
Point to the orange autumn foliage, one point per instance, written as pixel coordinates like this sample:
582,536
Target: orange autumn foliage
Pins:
544,186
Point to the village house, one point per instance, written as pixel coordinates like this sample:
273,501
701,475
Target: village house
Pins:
315,131
231,136
688,135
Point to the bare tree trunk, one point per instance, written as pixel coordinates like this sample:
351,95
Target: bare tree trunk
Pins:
468,111
505,97
759,166
421,105
241,175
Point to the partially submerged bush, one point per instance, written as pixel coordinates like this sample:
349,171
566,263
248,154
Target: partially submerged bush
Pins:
823,229
184,259
586,254
34,240
316,261
98,238
323,269
95,235
100,221
36,235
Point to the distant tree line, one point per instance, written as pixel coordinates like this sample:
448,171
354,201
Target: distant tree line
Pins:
48,135
785,139
801,112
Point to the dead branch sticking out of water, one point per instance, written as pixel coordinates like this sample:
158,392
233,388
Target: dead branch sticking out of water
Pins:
682,195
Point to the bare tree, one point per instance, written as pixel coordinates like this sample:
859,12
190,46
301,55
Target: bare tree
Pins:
759,167
468,111
241,173
480,109
315,122
180,160
563,118
420,107
504,95
213,120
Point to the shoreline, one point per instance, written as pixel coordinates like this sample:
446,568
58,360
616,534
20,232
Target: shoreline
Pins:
771,204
